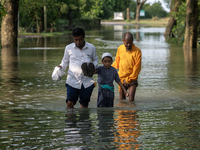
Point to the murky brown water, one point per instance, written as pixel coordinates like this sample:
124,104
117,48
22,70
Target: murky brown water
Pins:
165,114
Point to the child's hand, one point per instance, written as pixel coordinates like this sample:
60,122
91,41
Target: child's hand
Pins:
127,95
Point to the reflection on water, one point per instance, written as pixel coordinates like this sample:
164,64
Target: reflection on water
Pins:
191,67
127,126
99,129
165,114
137,33
118,32
9,65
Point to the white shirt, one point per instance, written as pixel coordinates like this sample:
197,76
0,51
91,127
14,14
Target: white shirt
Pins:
74,58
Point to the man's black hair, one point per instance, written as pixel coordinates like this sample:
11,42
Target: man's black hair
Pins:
78,32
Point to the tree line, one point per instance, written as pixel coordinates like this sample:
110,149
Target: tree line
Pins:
65,14
54,15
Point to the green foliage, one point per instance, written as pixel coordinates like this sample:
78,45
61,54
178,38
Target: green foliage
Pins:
127,3
107,9
91,9
179,29
72,11
118,5
132,8
64,8
111,6
199,19
147,8
153,10
32,12
2,11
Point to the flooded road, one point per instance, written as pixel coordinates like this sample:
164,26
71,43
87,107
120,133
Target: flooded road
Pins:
165,114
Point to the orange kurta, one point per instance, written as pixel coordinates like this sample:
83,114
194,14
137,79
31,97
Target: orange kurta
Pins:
128,63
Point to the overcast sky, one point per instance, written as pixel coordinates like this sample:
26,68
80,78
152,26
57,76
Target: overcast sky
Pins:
153,1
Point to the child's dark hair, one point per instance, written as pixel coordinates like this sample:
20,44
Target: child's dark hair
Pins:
78,32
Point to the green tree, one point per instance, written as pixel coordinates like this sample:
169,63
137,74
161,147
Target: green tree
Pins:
31,14
179,28
70,10
2,11
157,10
119,5
172,21
147,8
111,6
9,23
153,10
28,13
132,6
139,5
91,9
107,9
58,12
127,4
191,24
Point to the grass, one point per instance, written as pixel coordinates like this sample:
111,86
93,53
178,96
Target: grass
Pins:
44,34
159,22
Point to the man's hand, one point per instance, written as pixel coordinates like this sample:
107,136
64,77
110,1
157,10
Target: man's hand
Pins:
125,83
59,66
127,95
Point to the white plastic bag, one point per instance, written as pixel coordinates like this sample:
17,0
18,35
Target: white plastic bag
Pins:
57,73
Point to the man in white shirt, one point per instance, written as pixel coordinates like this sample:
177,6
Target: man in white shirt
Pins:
78,85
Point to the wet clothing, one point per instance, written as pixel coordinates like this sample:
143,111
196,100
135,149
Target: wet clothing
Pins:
105,98
132,83
128,63
77,84
85,94
106,86
74,58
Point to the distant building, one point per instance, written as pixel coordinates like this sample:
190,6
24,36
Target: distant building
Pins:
118,16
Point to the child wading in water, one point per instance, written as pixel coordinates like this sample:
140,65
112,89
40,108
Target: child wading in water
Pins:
106,75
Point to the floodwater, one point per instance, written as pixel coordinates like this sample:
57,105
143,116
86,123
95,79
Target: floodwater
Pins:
165,114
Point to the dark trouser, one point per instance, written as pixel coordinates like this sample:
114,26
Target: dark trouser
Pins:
105,98
84,93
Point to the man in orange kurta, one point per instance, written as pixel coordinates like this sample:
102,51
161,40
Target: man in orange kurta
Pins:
128,61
